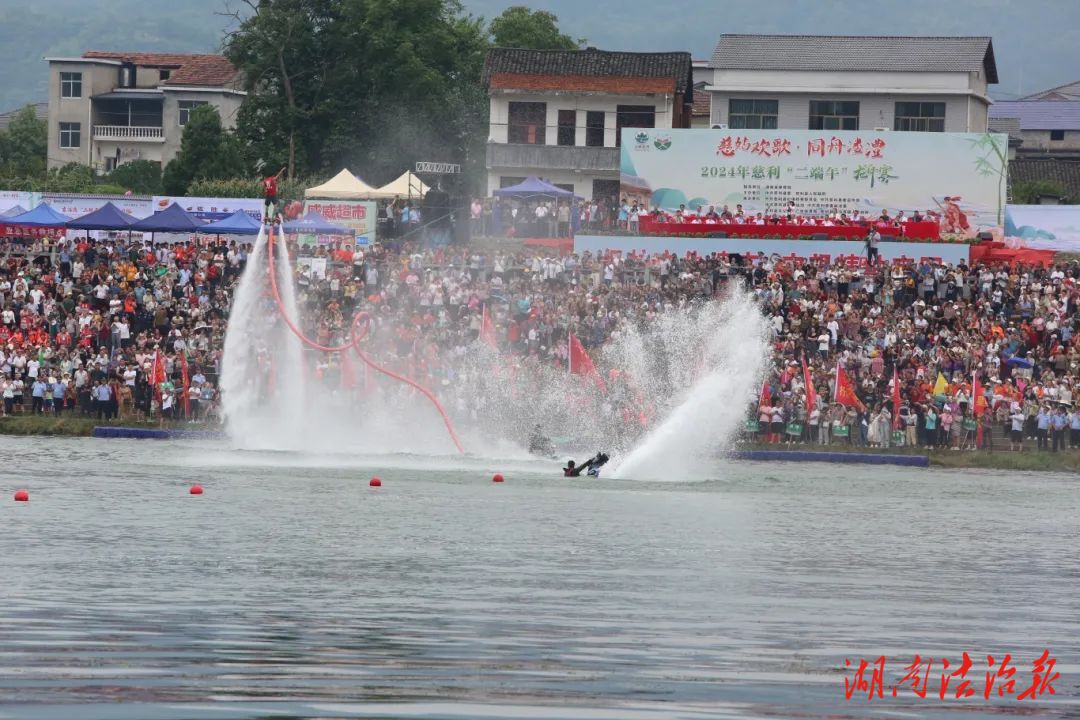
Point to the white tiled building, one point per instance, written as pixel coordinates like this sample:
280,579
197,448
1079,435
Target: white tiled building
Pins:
811,82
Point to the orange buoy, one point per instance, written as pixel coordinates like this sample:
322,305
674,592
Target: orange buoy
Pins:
22,496
196,490
375,482
497,477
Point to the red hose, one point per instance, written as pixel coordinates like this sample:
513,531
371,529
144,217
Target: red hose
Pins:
354,343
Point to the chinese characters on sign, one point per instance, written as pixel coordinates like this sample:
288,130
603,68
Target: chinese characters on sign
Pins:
821,147
357,215
996,677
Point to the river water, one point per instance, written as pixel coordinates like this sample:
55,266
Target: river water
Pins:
291,589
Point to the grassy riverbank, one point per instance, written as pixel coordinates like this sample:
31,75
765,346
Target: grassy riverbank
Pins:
1028,460
78,426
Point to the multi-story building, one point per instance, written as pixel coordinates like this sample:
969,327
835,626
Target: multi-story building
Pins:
814,82
559,114
109,108
1048,128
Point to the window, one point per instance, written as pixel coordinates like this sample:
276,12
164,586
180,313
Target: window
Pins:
186,106
71,84
834,115
753,114
920,116
633,116
70,135
594,128
567,127
1057,134
527,120
163,74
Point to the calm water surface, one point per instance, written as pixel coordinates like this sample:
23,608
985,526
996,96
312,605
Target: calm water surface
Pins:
291,589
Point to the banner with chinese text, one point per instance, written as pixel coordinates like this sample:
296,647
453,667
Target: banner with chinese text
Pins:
959,176
75,206
212,209
359,215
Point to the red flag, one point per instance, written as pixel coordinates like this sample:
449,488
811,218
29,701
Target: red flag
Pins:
582,364
844,391
895,399
185,385
811,394
157,374
348,372
487,329
766,395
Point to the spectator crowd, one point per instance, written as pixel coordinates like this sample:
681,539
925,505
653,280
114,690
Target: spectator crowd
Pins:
83,324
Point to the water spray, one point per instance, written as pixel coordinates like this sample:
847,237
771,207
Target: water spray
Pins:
361,325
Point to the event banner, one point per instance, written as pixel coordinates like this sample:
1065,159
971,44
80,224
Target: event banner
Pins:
960,176
360,215
13,198
75,206
1044,227
212,209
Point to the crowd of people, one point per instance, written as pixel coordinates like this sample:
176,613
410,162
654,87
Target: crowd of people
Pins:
84,323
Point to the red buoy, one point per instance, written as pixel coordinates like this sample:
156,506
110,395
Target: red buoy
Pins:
375,482
497,477
22,496
196,490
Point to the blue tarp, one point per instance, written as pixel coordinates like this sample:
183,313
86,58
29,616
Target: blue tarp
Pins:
239,223
41,216
532,186
173,219
106,217
314,224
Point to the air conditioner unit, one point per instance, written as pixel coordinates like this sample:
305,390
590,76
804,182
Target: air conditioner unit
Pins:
721,126
881,129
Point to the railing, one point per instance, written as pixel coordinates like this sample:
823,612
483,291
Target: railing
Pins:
555,157
129,132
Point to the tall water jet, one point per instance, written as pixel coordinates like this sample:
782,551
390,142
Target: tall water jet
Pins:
262,373
707,411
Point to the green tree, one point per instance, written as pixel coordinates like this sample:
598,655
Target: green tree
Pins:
1029,192
207,150
24,145
71,178
142,177
521,27
372,84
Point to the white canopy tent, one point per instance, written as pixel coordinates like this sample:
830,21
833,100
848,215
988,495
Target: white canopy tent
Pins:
344,186
408,184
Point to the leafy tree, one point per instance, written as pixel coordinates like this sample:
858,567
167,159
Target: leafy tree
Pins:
24,145
207,150
521,27
1029,192
372,84
71,178
142,177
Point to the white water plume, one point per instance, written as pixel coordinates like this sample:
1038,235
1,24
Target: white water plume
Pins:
262,371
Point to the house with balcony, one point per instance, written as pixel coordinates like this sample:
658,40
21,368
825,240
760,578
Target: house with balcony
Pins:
831,82
110,108
559,114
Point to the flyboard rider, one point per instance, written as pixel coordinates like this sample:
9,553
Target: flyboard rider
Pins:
591,466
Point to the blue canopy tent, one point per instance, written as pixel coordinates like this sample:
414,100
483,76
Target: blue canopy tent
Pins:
106,217
239,223
533,186
314,224
41,216
173,219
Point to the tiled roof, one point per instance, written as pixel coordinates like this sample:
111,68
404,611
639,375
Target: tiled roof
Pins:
41,110
1009,126
1068,91
842,52
702,101
188,69
1065,173
590,63
1040,114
